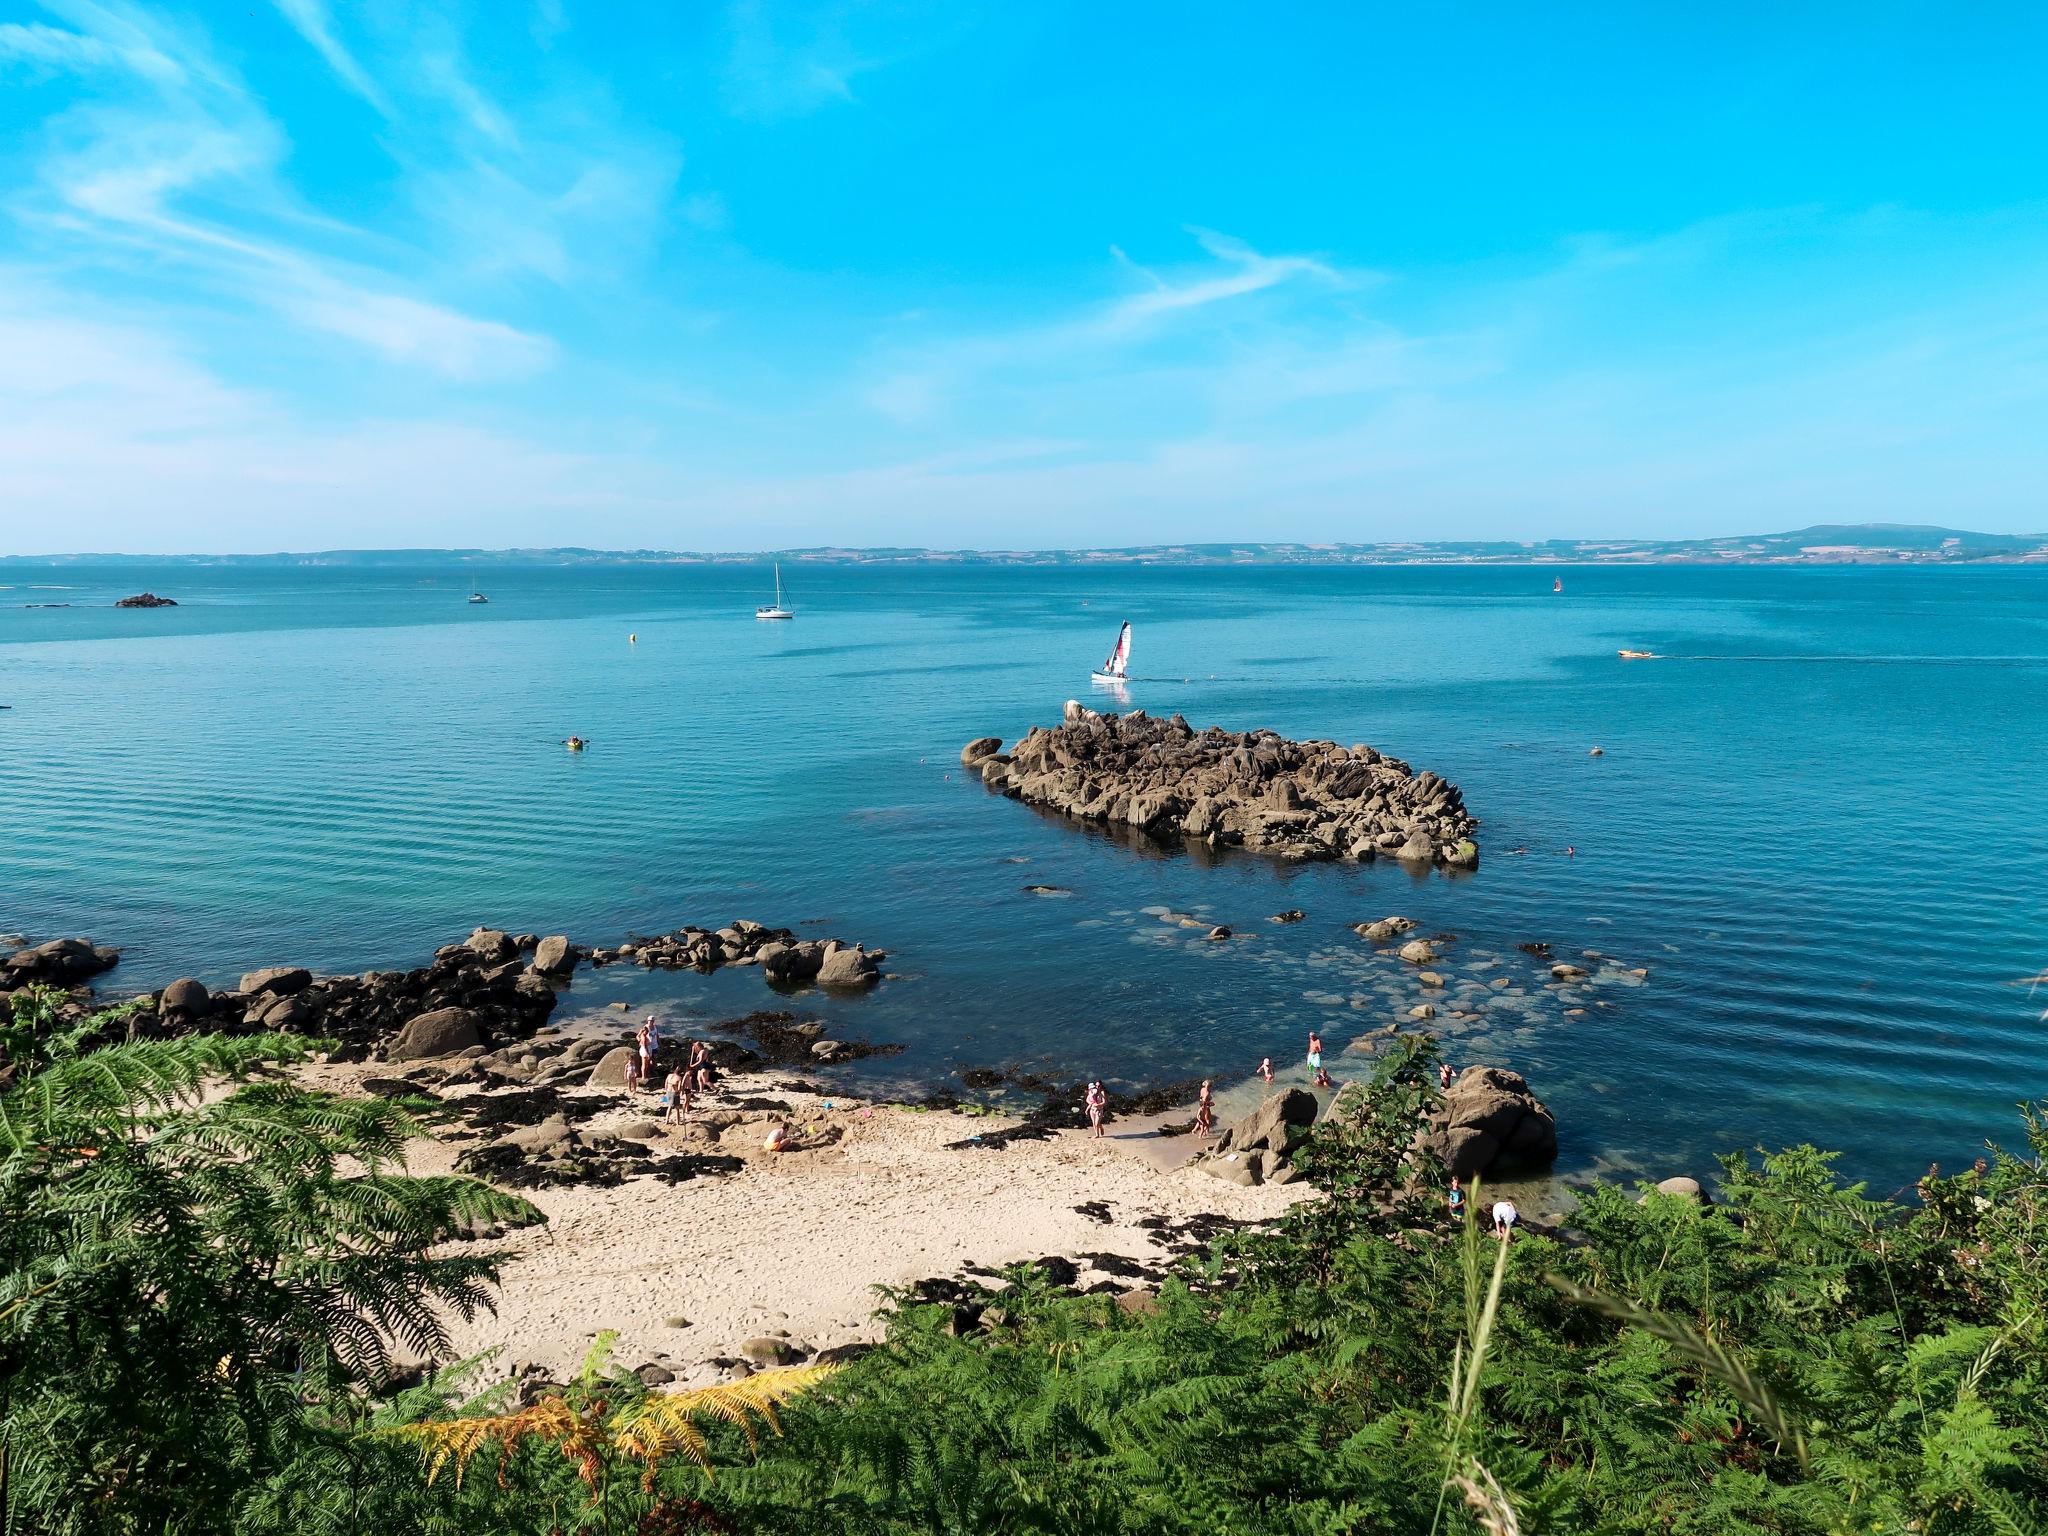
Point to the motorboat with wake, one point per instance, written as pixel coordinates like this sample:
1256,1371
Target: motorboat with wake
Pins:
1116,669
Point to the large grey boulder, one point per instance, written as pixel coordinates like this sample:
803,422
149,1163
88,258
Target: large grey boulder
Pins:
492,944
1278,1124
979,748
282,980
554,955
185,996
610,1072
1491,1122
443,1032
844,967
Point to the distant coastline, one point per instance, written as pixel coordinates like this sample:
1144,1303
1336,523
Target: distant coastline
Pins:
1823,544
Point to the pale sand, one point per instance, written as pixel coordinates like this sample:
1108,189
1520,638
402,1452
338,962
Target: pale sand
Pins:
797,1242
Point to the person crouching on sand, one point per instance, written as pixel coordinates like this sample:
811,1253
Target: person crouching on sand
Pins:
1097,1102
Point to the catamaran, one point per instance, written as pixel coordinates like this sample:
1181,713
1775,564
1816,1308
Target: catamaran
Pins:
775,610
1118,665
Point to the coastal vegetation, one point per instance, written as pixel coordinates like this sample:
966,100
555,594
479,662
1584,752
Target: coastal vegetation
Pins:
208,1276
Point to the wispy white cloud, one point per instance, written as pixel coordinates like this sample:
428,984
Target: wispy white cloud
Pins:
186,169
315,23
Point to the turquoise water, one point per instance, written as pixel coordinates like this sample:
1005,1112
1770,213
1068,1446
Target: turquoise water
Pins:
1818,824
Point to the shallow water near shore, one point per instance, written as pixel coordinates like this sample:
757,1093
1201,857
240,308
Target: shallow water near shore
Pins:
1816,823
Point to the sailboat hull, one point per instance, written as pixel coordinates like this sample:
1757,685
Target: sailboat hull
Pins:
1106,677
773,613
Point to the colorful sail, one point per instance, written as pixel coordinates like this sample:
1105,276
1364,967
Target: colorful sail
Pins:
1120,653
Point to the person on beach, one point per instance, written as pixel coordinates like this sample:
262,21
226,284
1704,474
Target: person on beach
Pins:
700,1065
1266,1068
1444,1074
778,1137
650,1042
1504,1217
1455,1199
632,1075
675,1098
1205,1111
1097,1101
1315,1051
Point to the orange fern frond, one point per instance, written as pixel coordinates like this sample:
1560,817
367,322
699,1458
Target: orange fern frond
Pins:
666,1424
580,1435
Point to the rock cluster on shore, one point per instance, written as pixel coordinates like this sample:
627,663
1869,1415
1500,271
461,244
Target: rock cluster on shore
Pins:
1257,1149
1251,789
785,959
491,989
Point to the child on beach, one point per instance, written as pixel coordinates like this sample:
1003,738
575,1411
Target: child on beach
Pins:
632,1075
1205,1111
1266,1068
1455,1199
1097,1102
675,1098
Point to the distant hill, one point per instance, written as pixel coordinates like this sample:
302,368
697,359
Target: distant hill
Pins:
1822,544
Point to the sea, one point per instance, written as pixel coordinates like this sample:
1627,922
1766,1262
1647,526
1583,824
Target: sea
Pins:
1807,866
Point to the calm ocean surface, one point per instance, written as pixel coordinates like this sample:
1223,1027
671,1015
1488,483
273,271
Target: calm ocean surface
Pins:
1819,823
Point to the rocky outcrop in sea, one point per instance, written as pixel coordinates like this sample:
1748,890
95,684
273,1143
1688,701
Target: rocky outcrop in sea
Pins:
1250,789
146,600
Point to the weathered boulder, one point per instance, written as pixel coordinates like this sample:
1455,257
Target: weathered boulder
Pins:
767,1350
1490,1121
59,962
1279,1123
610,1071
443,1032
979,748
554,955
844,967
184,996
1681,1185
1418,952
282,980
492,944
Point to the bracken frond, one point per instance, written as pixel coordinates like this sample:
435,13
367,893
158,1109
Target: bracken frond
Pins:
461,1440
666,1424
1697,1349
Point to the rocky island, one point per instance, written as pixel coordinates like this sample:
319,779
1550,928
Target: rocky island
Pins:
1250,789
147,600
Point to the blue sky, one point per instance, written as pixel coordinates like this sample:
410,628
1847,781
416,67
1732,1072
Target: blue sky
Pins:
304,274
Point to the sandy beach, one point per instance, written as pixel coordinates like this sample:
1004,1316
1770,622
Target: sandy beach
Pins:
794,1244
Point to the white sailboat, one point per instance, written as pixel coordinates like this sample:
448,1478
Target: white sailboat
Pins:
1118,665
775,610
476,596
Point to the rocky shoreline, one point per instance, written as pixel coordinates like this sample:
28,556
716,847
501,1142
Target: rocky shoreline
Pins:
492,990
1245,789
